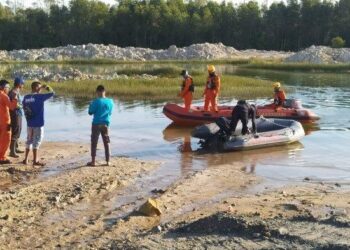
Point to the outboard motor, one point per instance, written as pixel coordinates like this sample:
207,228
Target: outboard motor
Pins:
224,125
293,103
215,141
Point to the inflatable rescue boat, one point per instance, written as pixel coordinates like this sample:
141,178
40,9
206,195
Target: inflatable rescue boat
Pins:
197,116
270,132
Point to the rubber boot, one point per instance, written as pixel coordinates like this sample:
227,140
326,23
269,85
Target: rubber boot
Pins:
13,149
18,151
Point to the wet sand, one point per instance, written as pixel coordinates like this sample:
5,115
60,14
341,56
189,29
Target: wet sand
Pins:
68,205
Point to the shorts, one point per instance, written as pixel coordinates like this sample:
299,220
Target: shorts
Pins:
35,136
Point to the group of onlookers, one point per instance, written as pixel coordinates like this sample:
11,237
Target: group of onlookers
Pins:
12,110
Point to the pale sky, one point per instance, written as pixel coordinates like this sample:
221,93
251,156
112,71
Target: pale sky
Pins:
28,3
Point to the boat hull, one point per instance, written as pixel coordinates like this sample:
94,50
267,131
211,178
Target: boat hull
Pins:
271,132
197,116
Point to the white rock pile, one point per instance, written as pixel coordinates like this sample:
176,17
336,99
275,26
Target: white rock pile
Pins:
97,51
45,75
321,55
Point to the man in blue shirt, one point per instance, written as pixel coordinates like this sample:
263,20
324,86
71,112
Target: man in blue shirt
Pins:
101,108
33,106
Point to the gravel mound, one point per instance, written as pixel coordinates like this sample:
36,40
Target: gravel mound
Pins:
46,75
98,51
321,55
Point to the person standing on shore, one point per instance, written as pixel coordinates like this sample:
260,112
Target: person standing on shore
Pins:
5,120
101,108
212,90
187,89
33,107
16,117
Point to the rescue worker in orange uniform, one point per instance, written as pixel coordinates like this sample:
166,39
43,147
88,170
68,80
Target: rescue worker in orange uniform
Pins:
5,120
187,89
212,90
279,96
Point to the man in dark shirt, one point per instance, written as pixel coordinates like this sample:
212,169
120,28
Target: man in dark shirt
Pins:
243,111
16,117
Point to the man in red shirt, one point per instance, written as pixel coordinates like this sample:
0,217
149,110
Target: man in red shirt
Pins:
5,120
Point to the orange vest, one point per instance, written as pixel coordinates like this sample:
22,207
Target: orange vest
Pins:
5,106
213,83
186,86
280,97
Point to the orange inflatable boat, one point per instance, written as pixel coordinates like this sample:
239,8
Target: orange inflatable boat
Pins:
196,116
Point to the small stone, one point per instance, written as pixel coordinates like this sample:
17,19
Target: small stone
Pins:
284,193
5,217
256,235
159,229
267,234
283,231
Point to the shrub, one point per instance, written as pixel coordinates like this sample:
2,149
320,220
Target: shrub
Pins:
338,42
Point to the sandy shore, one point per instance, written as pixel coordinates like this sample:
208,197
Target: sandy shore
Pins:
68,205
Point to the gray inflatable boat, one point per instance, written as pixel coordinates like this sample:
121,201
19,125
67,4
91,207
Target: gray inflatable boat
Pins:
270,132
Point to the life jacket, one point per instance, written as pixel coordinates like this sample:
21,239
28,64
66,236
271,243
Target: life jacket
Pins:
211,82
279,98
191,88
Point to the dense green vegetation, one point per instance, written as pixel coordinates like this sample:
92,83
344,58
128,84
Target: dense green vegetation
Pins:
160,23
272,65
163,88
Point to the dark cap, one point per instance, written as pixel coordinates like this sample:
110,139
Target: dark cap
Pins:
184,73
3,83
18,80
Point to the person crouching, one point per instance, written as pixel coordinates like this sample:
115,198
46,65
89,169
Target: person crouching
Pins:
242,112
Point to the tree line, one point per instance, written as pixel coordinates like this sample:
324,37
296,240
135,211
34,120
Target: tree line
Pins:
158,24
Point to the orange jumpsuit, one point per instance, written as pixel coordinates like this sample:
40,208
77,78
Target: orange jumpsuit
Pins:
186,92
211,92
5,121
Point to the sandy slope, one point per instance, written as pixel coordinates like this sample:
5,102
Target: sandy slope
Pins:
72,206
